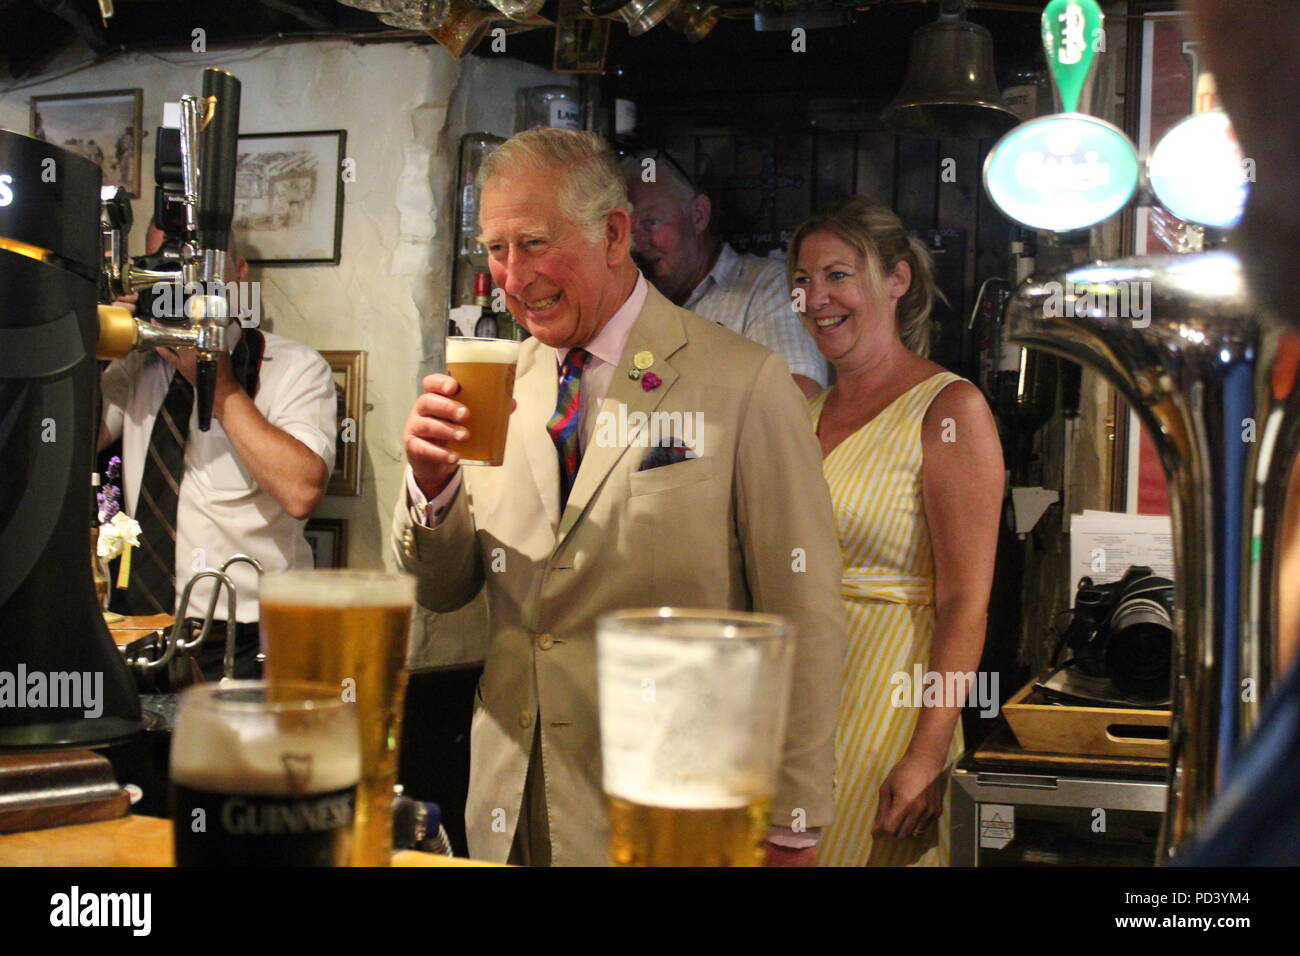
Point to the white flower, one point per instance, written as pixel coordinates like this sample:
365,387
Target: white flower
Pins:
113,534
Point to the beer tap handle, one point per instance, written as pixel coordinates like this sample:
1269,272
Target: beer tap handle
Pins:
205,390
225,566
189,182
218,146
114,225
218,140
177,642
1070,32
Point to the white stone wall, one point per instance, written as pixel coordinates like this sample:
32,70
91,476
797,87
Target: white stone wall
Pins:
404,107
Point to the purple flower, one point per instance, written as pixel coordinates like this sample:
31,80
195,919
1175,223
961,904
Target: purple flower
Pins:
650,381
110,498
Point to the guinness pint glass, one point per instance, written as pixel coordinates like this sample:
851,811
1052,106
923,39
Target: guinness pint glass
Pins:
485,369
692,724
264,774
348,629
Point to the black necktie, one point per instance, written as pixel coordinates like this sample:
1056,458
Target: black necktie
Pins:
152,586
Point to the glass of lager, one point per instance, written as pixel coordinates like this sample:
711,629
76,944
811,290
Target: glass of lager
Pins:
692,726
349,629
485,370
264,774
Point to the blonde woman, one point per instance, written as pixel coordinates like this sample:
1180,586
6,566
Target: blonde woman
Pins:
911,454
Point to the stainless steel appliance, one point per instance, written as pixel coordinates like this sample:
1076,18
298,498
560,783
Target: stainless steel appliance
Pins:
1078,813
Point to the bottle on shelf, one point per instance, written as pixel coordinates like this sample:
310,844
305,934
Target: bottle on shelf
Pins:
486,326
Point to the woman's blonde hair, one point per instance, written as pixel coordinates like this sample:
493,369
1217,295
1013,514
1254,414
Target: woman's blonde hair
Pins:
877,235
591,183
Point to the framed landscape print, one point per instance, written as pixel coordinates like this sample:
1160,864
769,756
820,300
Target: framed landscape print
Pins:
289,197
103,127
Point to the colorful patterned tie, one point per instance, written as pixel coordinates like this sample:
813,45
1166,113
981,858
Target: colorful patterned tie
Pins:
563,425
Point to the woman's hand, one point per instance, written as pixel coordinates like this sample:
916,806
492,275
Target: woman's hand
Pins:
911,797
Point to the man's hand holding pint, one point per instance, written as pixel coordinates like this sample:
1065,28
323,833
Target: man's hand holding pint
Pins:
435,420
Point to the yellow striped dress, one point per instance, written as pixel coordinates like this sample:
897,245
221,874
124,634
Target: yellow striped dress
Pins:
888,587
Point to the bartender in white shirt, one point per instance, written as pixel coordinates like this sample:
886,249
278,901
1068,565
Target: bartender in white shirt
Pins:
249,483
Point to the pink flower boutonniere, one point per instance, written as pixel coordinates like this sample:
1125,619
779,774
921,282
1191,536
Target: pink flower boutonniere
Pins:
650,381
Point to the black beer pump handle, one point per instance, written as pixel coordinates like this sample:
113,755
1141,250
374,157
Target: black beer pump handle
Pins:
204,390
218,137
218,144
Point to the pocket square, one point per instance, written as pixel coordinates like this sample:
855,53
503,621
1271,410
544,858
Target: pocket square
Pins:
668,452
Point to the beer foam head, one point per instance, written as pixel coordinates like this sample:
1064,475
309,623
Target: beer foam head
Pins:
338,588
226,741
486,351
704,798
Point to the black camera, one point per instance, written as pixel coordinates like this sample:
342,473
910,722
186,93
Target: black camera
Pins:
1124,630
169,217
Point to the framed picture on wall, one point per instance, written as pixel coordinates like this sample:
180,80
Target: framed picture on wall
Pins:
289,197
328,538
580,41
349,368
103,127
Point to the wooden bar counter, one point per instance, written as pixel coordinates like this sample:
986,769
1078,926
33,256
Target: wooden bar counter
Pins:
133,841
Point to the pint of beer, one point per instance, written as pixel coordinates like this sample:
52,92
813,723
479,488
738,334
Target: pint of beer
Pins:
692,723
264,775
349,629
485,369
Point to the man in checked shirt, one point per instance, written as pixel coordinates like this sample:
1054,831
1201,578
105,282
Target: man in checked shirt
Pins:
685,260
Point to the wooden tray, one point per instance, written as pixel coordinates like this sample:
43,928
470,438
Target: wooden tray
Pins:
1053,728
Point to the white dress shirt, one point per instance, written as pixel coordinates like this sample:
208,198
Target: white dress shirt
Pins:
751,296
222,510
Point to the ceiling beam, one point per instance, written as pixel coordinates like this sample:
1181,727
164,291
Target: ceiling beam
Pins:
312,18
84,20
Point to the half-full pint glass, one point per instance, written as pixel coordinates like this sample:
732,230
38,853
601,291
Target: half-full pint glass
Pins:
485,369
692,723
349,629
264,774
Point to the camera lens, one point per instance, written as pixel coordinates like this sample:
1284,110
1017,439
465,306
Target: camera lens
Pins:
1141,640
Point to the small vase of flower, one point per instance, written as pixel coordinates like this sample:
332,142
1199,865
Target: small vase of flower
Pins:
117,531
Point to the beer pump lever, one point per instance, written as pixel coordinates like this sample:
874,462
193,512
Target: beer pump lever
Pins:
209,139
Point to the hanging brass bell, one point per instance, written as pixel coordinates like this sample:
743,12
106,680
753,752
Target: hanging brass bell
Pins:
950,90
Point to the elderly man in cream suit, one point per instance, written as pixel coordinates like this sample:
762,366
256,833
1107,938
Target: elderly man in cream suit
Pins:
583,519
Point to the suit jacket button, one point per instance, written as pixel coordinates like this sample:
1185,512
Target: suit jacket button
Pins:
545,642
525,719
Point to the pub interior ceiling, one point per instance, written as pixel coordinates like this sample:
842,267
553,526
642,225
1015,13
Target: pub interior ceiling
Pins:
872,32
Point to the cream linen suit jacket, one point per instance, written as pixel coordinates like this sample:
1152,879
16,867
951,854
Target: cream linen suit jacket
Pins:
747,525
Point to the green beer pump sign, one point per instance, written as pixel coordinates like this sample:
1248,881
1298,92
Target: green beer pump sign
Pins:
1070,170
1071,29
